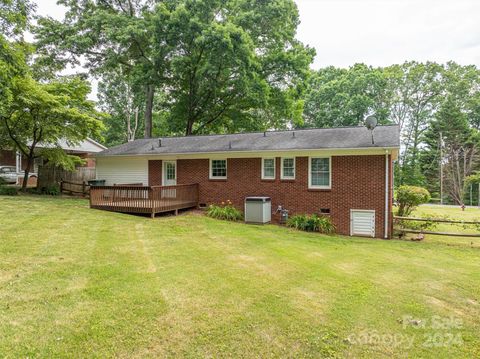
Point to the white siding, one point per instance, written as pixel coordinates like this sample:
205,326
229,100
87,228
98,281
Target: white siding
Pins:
122,170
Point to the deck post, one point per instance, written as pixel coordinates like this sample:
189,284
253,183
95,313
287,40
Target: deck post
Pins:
152,215
176,212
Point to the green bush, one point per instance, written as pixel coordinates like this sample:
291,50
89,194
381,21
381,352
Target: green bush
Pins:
2,181
312,223
409,197
52,190
224,211
8,191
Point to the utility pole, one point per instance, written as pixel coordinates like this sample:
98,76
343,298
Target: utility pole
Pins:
441,168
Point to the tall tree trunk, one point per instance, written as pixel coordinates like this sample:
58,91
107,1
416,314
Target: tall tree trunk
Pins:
189,129
148,111
27,172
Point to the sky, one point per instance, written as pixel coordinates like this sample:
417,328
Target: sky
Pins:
378,32
384,32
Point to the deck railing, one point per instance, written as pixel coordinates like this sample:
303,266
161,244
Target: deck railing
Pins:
133,198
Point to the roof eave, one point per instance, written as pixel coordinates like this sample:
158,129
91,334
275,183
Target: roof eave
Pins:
208,153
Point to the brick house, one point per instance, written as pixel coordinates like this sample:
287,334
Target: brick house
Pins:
337,172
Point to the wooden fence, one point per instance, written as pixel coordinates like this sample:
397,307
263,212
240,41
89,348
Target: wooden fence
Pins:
75,187
398,220
142,199
49,176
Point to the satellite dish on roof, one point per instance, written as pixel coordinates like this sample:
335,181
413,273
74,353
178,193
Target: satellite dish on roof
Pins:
370,124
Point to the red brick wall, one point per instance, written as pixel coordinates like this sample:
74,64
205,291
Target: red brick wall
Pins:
358,182
8,158
155,173
87,157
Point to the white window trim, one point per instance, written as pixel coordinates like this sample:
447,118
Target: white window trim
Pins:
274,168
164,162
210,175
281,169
310,173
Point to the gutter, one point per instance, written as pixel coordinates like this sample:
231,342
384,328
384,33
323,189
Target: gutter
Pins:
255,152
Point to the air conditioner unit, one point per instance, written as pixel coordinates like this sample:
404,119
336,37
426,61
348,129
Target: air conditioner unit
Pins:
258,210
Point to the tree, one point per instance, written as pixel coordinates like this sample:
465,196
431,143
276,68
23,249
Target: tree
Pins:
14,17
119,97
46,114
416,89
460,148
215,65
455,123
108,35
344,97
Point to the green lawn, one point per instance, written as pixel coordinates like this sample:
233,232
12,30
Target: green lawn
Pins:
454,213
85,283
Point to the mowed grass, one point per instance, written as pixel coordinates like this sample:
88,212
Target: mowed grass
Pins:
76,282
471,214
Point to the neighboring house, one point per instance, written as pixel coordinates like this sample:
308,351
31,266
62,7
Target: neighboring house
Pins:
336,172
85,150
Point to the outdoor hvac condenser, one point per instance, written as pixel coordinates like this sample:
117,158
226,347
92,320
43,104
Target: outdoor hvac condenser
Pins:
258,209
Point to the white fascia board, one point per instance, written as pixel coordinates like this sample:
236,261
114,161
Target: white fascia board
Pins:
267,153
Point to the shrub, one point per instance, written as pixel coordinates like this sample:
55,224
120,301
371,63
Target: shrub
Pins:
312,223
409,197
225,211
8,191
2,181
52,190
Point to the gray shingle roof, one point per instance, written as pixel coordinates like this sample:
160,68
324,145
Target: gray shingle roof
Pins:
320,138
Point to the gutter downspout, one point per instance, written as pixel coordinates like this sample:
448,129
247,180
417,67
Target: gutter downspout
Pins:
386,193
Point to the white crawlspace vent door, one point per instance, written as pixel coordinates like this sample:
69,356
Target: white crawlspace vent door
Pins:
362,223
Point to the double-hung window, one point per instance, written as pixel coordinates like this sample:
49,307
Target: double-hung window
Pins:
320,172
268,168
218,169
288,168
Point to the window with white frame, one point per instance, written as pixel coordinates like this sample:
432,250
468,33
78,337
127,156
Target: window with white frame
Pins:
218,169
288,168
319,172
268,168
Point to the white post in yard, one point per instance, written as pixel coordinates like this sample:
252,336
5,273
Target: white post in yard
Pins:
18,162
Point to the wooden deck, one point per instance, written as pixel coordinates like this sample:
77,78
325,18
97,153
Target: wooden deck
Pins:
143,199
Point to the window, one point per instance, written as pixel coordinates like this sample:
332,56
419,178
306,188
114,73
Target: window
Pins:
319,174
218,169
268,168
288,168
170,170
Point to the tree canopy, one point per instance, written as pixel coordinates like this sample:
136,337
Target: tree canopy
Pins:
218,65
33,112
